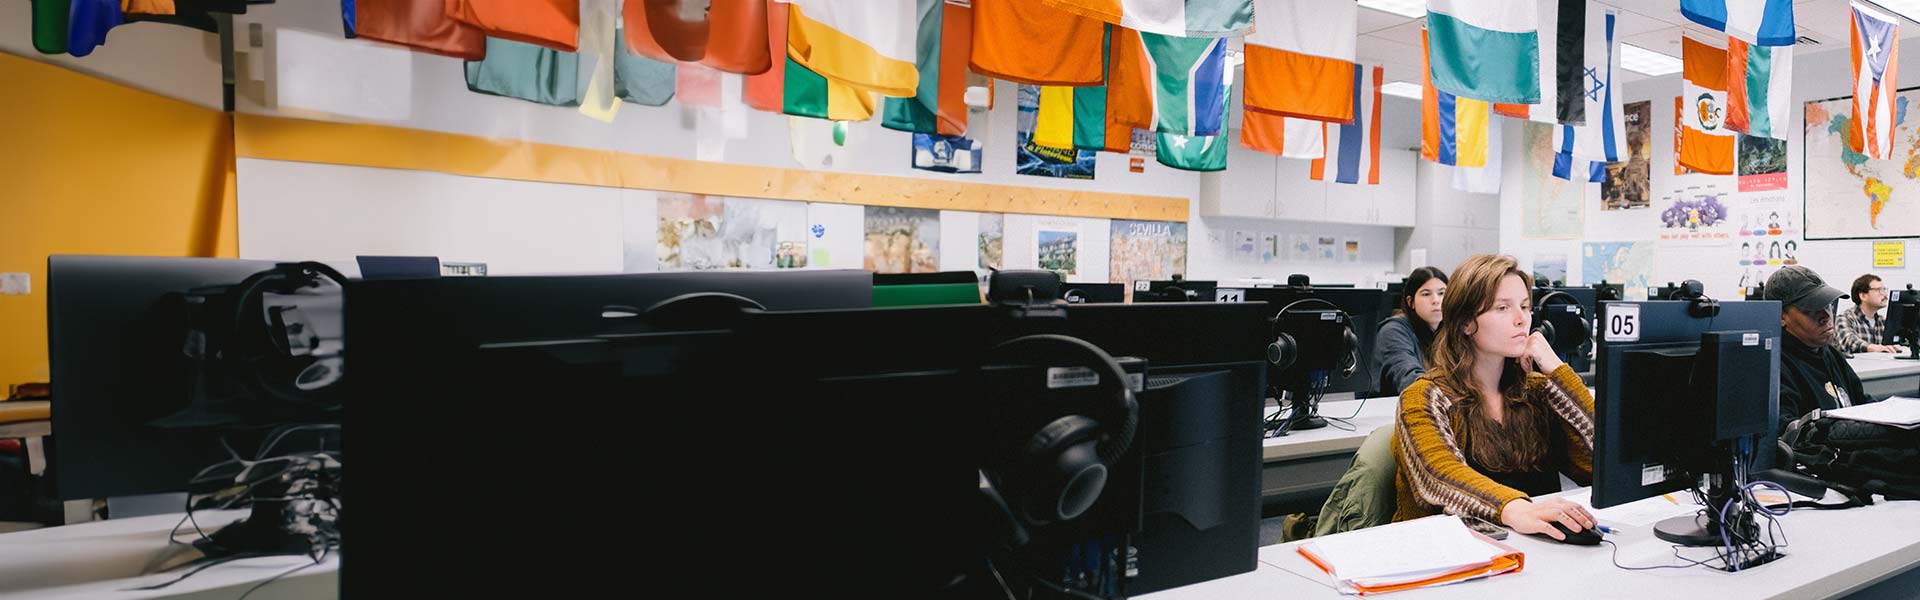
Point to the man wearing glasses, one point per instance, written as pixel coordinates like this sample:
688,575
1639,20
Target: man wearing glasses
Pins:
1861,328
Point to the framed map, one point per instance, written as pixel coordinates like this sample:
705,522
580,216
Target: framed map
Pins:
1849,195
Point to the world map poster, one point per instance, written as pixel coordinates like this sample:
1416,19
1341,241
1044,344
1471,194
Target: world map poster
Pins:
1850,195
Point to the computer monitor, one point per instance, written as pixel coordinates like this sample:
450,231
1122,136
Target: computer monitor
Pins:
1093,293
116,327
1325,364
1685,392
1609,292
926,289
1174,290
398,267
1670,291
1566,315
1903,321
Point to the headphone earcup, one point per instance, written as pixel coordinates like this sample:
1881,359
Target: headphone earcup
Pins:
1061,465
1352,342
1546,330
1282,352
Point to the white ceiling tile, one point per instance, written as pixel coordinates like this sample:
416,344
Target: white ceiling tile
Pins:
1374,20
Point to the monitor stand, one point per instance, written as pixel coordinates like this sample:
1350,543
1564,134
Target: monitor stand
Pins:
1308,418
1698,531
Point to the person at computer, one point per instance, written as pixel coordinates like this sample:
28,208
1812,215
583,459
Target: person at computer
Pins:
1401,344
1861,328
1812,373
1498,416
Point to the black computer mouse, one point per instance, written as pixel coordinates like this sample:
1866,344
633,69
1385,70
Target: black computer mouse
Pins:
1584,537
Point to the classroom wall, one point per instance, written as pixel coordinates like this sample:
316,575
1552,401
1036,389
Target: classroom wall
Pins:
95,167
172,61
1817,75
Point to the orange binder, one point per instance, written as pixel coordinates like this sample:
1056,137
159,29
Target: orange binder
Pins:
1507,561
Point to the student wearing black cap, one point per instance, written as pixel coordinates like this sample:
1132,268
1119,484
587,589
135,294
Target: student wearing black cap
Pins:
1812,374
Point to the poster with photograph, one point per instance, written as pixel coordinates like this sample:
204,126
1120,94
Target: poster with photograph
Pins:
1058,250
1044,161
945,154
1152,250
902,240
993,240
1762,164
699,232
1629,182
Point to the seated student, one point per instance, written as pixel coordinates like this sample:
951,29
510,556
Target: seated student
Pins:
1497,416
1401,345
1812,374
1861,328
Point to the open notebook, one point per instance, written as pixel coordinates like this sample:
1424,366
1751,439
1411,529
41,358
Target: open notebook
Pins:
1424,552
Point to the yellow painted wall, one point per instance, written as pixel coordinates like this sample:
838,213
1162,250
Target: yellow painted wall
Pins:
91,167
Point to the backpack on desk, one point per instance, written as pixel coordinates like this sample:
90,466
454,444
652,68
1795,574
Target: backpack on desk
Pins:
1869,458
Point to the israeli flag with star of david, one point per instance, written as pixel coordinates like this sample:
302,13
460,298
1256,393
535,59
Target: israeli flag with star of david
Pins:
1603,137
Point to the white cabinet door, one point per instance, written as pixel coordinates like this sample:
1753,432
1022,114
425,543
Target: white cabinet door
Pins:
1395,200
1296,197
1245,189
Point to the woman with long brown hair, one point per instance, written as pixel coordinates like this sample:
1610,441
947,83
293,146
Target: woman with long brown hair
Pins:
1498,416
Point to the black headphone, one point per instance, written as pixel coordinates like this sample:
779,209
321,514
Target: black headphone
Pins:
1546,328
264,349
1283,351
1062,468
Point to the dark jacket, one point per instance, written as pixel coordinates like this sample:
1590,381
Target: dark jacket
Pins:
1804,375
1400,348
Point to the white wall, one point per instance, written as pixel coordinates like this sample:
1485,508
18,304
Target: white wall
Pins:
1817,75
169,60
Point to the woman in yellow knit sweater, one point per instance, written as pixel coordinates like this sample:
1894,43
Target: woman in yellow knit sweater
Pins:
1497,416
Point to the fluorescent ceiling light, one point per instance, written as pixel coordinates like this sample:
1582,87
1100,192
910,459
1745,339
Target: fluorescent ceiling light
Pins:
1644,61
1412,9
1401,89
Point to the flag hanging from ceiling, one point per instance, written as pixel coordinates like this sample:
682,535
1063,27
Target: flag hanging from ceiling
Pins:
1485,49
1358,153
1129,95
727,35
1453,130
1178,18
1300,61
1034,43
1759,79
1071,118
945,40
526,72
1757,22
1876,59
1706,145
1568,164
767,91
547,23
865,45
1603,137
639,79
1187,77
1285,136
1198,152
420,26
1571,64
1517,111
1483,179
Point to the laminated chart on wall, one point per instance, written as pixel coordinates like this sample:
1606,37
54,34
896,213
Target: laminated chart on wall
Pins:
1550,207
1850,194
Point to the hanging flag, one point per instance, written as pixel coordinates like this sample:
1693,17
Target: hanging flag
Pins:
767,91
726,35
50,25
1071,118
1603,137
526,72
1453,130
945,41
1034,43
1483,179
88,23
865,45
1467,33
1517,111
1706,145
1358,143
551,24
420,26
1304,139
1129,97
1565,158
1178,18
1198,152
1300,61
639,79
807,94
1876,59
598,28
1759,79
1756,22
1571,67
1186,79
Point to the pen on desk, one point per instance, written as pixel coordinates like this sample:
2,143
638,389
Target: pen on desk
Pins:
1606,530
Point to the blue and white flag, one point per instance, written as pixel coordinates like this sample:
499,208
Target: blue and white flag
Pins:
1603,137
1757,22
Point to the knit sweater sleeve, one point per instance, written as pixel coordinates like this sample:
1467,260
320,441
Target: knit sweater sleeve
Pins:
1572,406
1432,462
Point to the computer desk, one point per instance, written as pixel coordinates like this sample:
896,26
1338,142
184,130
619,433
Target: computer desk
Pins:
1884,377
1304,465
1871,549
103,560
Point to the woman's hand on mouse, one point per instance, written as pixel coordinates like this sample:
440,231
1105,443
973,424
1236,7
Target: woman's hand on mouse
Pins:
1528,516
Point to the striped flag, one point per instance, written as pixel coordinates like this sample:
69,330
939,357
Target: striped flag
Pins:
1603,137
1706,145
865,45
1178,18
1187,77
1759,79
1300,61
1465,32
1358,143
1199,152
1570,60
1285,136
1483,180
1757,22
1876,59
945,42
1567,163
788,87
1071,118
725,35
1453,130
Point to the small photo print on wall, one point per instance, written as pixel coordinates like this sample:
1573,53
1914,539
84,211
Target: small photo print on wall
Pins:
699,232
1762,164
902,240
993,240
1058,251
945,154
1628,182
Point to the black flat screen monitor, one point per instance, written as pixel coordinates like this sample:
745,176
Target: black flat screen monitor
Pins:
1093,293
1174,291
1366,309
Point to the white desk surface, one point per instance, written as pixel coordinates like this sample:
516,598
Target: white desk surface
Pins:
1332,439
1831,553
106,559
1882,368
